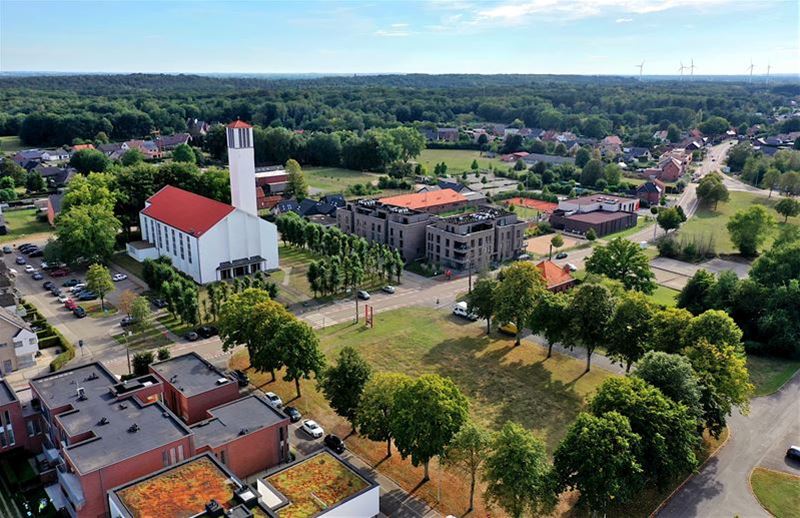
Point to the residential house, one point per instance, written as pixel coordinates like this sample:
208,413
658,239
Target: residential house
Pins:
55,177
55,155
13,433
557,278
447,134
81,147
610,146
28,158
18,343
54,202
661,136
651,191
513,157
113,148
170,142
632,154
531,159
148,148
197,127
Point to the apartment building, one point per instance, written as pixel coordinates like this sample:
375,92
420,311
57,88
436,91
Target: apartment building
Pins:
475,240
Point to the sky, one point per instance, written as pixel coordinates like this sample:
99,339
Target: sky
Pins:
446,36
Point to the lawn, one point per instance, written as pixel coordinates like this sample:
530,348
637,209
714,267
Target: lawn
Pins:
94,310
502,382
769,374
291,279
152,338
710,224
10,144
457,160
23,223
664,296
123,260
177,327
777,492
335,179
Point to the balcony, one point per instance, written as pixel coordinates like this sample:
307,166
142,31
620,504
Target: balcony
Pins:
71,485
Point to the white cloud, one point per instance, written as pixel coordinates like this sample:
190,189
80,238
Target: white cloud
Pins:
624,20
398,25
392,33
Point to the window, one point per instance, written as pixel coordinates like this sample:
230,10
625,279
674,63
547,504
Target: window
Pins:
159,236
180,239
189,249
223,457
174,248
165,458
33,427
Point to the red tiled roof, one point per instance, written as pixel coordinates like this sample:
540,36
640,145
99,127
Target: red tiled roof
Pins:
79,147
239,124
424,200
186,211
553,274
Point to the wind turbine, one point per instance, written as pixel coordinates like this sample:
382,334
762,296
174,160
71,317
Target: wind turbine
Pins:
750,68
640,67
691,68
768,68
681,69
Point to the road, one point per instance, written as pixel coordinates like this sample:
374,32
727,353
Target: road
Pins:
722,487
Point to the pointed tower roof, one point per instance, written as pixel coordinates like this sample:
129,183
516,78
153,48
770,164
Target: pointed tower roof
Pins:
239,124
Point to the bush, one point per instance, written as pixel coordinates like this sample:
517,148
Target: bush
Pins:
163,354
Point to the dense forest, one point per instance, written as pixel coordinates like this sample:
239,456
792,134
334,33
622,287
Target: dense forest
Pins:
57,110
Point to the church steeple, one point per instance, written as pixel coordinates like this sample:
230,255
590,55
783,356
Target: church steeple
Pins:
241,162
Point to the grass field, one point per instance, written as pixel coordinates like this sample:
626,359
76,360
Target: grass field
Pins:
777,492
10,144
335,179
768,374
709,224
457,160
23,223
152,338
664,296
129,263
502,382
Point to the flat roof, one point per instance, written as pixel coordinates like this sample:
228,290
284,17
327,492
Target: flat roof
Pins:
107,419
598,216
234,419
423,200
190,373
183,490
7,394
598,198
314,484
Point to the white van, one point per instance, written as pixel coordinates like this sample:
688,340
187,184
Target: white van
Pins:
461,310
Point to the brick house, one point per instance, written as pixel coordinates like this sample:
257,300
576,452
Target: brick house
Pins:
651,191
556,277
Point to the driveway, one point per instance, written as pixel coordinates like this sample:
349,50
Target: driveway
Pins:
675,274
722,487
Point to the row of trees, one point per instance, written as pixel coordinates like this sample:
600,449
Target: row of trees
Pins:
179,292
780,172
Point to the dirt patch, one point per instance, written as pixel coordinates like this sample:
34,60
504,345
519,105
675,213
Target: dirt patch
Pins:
541,245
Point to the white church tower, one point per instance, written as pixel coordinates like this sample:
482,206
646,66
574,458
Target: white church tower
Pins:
242,165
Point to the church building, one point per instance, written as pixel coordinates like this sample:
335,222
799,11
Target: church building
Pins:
206,239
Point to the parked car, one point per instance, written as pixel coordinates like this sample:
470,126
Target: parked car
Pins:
70,283
334,443
312,429
70,304
274,399
561,255
363,295
77,287
119,277
572,267
87,295
191,336
508,328
388,289
48,285
55,291
127,321
20,260
36,253
79,312
293,413
460,309
63,298
793,452
207,331
25,247
241,377
37,276
159,303
7,249
29,268
59,272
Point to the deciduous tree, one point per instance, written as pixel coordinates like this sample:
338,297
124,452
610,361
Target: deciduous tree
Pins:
481,300
374,413
467,451
591,311
788,208
749,229
624,261
300,352
343,383
630,329
520,286
296,185
551,317
98,280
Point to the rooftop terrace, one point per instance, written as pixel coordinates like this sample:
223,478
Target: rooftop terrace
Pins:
485,213
312,485
191,374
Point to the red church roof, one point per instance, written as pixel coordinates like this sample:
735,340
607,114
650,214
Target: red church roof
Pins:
239,124
186,211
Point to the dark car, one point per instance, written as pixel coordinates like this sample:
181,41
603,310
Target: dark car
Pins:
7,249
293,413
241,377
207,331
37,276
159,303
561,255
191,336
79,312
334,443
70,283
48,285
127,321
20,260
87,295
36,253
24,248
55,291
793,452
59,272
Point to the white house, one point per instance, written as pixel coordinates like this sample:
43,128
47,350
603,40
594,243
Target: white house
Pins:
206,239
18,343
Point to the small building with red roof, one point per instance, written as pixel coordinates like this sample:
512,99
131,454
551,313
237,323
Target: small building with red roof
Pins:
558,278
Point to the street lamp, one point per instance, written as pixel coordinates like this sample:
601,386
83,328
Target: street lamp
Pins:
128,350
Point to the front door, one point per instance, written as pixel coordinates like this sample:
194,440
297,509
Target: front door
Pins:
7,366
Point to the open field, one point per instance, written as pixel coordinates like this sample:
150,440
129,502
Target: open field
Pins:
10,144
22,224
457,160
664,296
709,224
335,179
768,373
777,492
503,383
